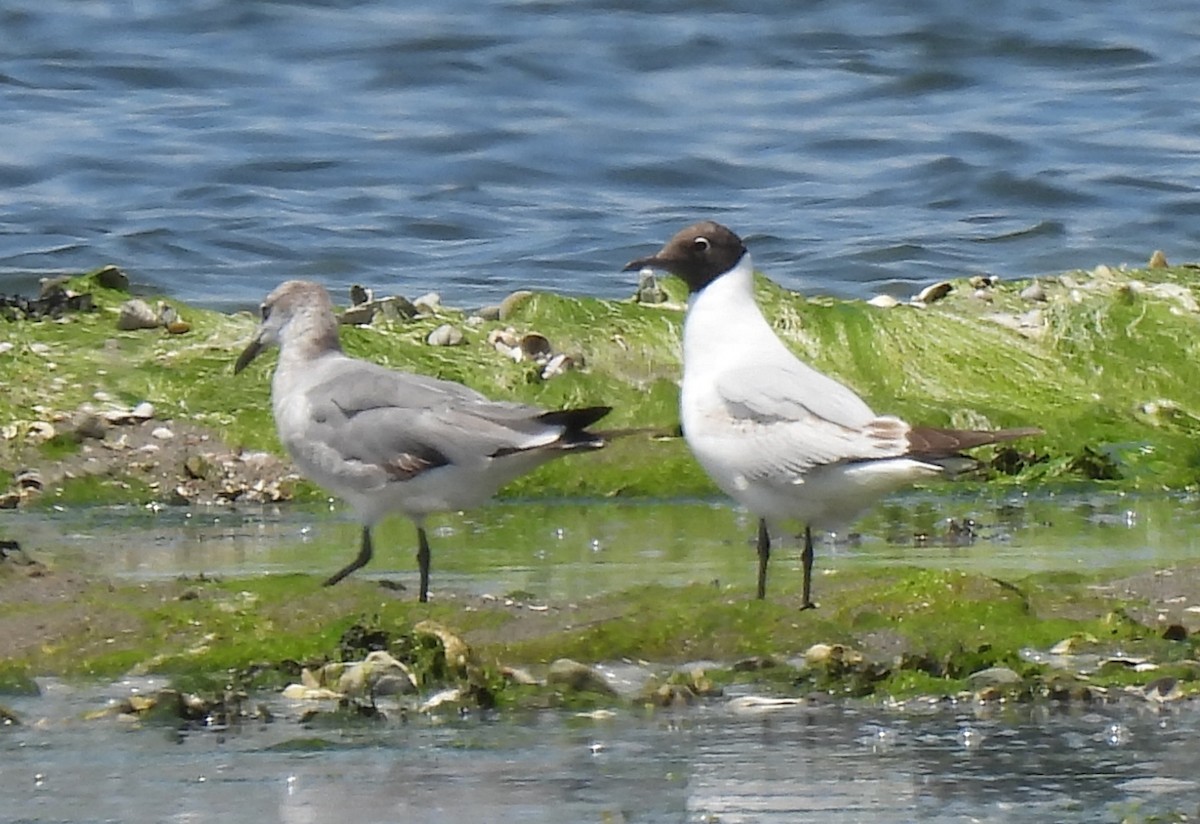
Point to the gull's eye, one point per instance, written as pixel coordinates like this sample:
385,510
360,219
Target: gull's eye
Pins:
701,244
265,310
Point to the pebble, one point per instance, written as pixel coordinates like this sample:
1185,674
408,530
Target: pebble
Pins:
136,314
579,677
162,433
1034,292
445,335
428,304
513,302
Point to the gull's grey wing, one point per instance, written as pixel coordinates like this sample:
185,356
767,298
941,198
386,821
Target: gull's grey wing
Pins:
368,425
792,418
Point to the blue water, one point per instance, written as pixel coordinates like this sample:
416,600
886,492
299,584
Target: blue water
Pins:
215,147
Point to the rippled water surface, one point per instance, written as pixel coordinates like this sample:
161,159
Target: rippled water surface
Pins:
935,762
215,147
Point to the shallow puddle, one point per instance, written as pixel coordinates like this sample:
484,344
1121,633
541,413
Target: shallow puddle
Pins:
567,549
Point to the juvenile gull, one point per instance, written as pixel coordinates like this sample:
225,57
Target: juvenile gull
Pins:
779,437
390,441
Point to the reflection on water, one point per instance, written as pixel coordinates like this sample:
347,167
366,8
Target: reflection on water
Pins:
848,763
829,764
569,549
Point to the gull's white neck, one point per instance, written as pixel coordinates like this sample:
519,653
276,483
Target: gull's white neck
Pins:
724,326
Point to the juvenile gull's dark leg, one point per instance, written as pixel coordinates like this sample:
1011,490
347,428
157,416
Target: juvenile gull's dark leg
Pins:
423,563
764,555
364,556
806,559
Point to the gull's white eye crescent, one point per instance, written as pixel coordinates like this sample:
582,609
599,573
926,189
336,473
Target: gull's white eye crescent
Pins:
701,244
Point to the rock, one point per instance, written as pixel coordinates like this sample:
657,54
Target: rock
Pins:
178,327
162,433
1158,260
396,308
8,718
144,411
670,695
447,696
377,674
577,677
110,277
513,302
490,312
445,335
993,677
1175,632
88,425
1034,292
934,292
428,304
648,290
822,654
136,314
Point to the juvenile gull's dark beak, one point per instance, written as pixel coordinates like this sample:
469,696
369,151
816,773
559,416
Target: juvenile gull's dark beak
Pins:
248,354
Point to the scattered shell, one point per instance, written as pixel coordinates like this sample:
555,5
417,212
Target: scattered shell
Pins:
1034,292
40,431
136,314
28,479
428,304
535,347
883,301
513,302
826,653
557,365
360,315
456,652
519,676
448,696
760,703
934,292
360,294
1158,260
445,335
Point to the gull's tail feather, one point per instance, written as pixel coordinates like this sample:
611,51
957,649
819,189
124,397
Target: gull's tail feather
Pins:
930,442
